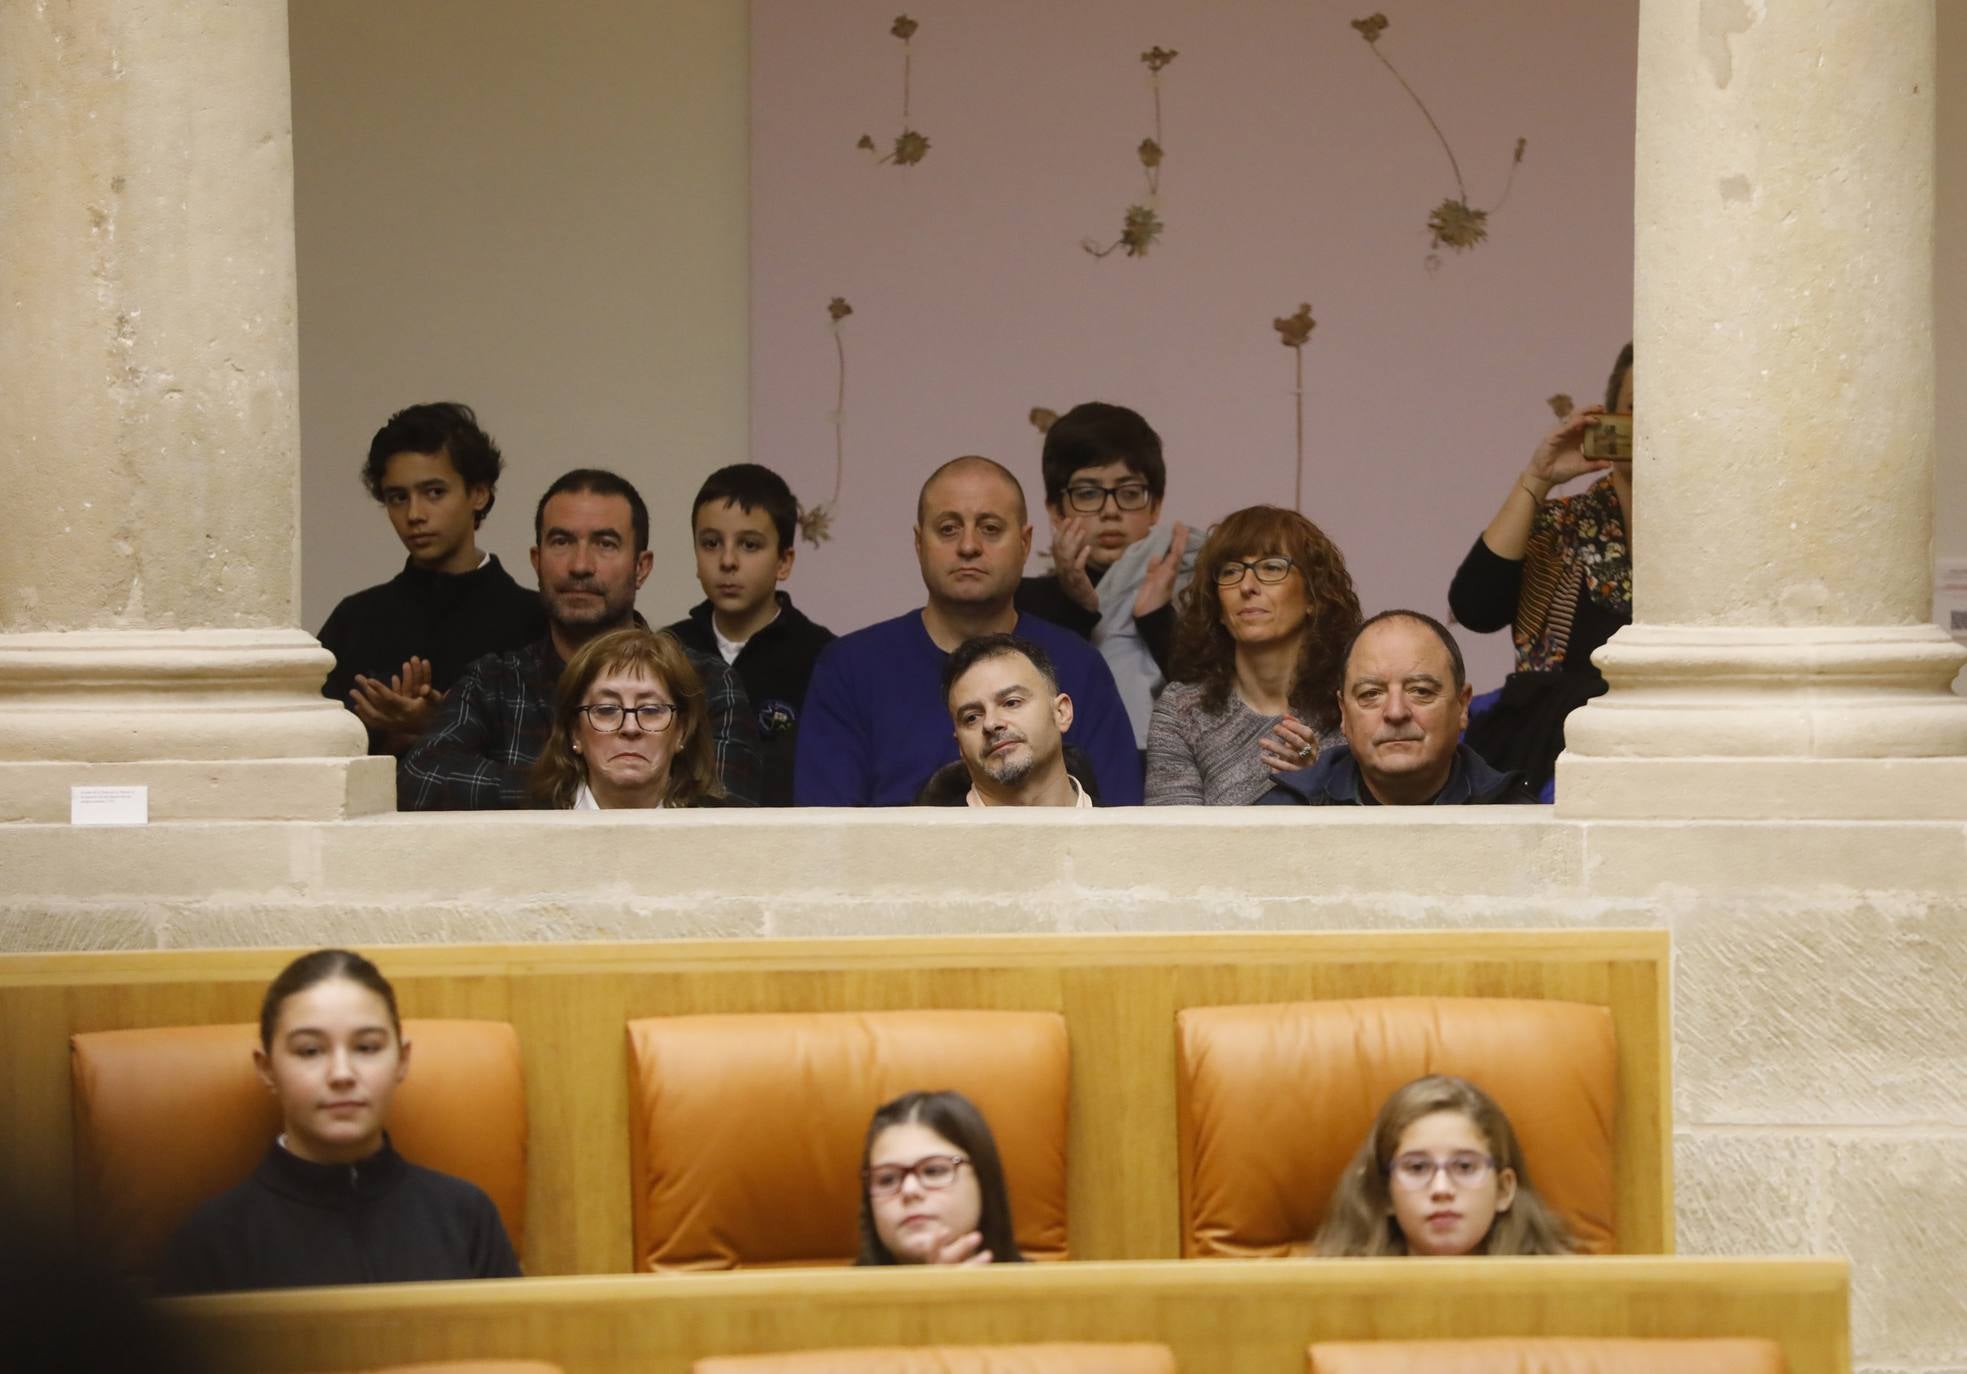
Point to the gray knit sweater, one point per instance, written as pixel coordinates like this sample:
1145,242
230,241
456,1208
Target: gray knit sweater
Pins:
1203,758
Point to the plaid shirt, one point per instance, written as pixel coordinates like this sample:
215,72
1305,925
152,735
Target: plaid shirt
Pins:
495,721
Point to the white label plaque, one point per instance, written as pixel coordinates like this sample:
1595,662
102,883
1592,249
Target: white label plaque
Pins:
109,806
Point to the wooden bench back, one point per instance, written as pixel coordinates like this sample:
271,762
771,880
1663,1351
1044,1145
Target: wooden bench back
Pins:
1119,995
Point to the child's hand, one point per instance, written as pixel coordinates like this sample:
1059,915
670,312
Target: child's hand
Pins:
1158,586
1072,546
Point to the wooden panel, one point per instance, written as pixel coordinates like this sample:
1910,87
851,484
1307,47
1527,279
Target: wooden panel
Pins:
1223,1316
1118,993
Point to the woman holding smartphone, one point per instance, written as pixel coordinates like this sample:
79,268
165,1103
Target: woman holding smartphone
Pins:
1559,575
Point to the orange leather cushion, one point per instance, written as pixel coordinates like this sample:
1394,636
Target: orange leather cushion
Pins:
1548,1355
165,1118
473,1367
745,1131
954,1359
1273,1100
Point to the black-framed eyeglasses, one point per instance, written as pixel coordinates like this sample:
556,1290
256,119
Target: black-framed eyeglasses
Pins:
1089,498
606,717
932,1171
1271,570
1415,1170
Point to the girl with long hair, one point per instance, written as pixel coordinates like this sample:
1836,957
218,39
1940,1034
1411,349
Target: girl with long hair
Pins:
932,1185
1440,1173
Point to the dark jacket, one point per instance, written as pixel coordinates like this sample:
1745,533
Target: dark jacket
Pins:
775,665
447,618
950,784
1334,781
294,1224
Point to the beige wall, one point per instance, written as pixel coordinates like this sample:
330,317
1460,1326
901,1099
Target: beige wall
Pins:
540,210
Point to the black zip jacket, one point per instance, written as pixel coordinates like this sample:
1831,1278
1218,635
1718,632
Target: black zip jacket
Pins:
295,1224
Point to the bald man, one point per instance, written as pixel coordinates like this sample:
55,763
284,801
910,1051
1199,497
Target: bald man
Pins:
876,724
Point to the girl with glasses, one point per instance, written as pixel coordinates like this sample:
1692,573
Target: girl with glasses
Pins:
1440,1173
1259,646
932,1187
628,729
332,1202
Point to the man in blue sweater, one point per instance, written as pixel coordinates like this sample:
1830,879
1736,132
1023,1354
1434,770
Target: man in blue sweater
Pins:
876,725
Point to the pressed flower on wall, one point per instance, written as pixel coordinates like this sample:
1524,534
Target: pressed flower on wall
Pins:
816,522
1561,405
1142,224
1043,418
911,146
1454,223
1294,332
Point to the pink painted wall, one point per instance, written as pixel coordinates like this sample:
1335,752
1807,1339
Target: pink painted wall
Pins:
1296,170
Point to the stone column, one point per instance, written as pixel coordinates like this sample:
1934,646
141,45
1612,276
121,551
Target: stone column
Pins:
1781,662
149,572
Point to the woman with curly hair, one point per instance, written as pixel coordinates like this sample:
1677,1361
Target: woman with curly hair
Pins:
629,729
1260,637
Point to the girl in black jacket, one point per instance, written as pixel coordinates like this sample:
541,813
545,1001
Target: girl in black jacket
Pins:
332,1202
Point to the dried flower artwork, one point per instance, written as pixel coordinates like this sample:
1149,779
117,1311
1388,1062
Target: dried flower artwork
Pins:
1142,224
1561,405
816,522
1454,223
911,145
1294,332
1043,418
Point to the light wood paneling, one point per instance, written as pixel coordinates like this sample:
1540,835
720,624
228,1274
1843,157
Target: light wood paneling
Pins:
1118,993
1220,1316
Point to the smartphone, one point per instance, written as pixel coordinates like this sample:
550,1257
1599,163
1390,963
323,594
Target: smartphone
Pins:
1610,436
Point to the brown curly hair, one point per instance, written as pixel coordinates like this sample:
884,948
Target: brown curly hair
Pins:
1205,651
656,654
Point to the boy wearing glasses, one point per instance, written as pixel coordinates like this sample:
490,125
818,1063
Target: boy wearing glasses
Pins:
1114,573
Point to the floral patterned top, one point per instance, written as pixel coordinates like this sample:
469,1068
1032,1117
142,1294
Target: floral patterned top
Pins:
1577,545
1565,596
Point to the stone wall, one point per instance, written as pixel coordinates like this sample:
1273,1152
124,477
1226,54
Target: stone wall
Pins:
1818,1022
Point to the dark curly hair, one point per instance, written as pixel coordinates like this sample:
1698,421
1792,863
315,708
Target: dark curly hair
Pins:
447,427
1205,651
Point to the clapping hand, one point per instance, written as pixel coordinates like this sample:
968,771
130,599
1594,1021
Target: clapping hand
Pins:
1158,585
1072,546
400,710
